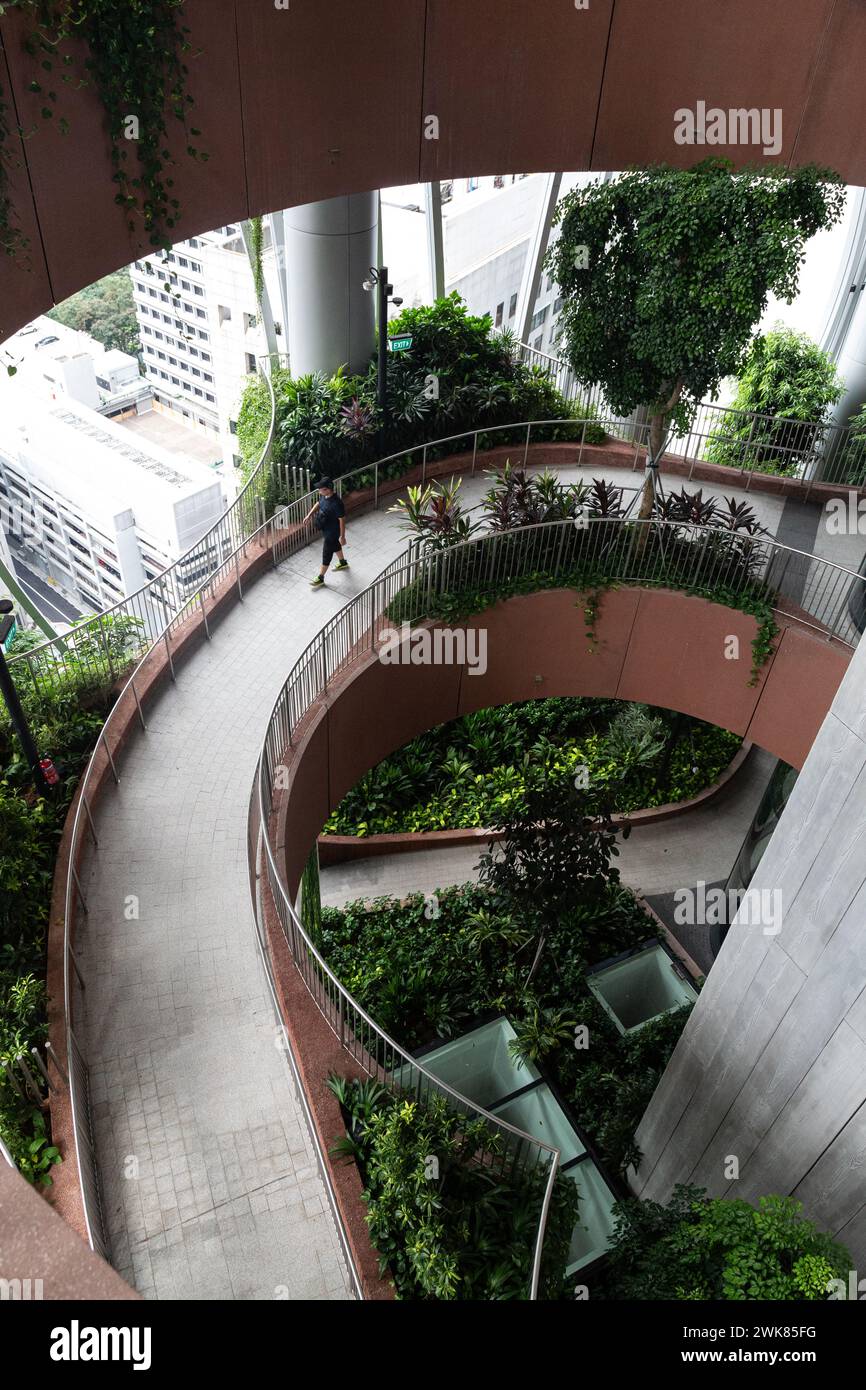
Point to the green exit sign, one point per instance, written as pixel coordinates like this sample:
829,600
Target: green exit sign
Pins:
401,344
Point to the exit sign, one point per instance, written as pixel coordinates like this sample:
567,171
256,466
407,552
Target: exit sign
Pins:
401,344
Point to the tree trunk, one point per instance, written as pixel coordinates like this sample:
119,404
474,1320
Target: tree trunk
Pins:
656,439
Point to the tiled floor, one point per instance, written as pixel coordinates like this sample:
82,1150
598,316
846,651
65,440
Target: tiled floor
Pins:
208,1176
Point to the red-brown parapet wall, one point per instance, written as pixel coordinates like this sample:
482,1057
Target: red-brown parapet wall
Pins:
301,102
341,849
655,646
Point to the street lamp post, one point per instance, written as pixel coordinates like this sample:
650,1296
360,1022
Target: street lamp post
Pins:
378,280
13,704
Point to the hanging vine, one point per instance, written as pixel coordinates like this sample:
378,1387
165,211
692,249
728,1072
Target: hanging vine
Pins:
256,245
135,60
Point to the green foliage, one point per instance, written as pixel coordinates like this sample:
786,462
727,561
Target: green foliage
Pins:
788,378
850,467
428,968
677,268
433,514
716,1248
445,1226
332,425
65,716
463,774
256,247
105,310
136,62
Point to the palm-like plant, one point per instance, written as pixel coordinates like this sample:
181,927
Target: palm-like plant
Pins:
433,514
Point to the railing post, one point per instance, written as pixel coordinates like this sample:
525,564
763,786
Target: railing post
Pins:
168,653
204,613
424,466
526,448
238,577
138,705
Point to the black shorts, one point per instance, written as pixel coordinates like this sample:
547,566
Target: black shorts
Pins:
330,546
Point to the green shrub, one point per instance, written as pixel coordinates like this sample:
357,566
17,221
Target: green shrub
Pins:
786,377
445,1226
331,425
430,967
717,1248
463,774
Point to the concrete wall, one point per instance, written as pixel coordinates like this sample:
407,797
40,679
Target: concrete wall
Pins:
771,1068
536,647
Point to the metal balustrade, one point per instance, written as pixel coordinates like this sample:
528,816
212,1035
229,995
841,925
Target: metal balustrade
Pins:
103,648
649,552
755,444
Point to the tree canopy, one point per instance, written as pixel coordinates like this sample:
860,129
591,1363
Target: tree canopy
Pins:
665,272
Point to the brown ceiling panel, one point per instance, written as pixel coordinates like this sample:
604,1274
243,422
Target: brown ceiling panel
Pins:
727,53
332,97
835,120
83,231
514,84
23,277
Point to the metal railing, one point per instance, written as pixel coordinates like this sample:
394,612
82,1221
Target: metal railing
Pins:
504,1151
750,443
104,647
650,552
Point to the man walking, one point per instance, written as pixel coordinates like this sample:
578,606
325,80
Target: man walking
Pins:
330,517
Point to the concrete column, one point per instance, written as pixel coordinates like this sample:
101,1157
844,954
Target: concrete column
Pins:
329,249
771,1068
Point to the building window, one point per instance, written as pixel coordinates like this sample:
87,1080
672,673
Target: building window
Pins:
250,321
539,318
558,305
500,310
194,265
209,397
182,260
197,289
471,185
201,313
233,426
512,308
224,314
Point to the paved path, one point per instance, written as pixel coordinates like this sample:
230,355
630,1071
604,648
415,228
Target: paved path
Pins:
210,1184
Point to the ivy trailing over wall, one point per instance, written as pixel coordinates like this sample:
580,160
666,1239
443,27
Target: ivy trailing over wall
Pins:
256,245
136,51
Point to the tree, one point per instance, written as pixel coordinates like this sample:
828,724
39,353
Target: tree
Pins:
105,310
555,853
786,377
664,274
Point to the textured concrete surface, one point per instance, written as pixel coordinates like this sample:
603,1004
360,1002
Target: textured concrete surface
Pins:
771,1068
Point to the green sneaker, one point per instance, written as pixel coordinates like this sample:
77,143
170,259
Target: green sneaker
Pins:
342,565
317,583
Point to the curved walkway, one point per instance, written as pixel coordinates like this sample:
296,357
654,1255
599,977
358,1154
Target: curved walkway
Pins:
209,1181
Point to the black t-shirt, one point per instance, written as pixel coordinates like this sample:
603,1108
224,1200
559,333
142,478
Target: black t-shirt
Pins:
329,513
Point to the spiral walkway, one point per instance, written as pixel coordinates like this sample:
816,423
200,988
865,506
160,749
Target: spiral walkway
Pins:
209,1181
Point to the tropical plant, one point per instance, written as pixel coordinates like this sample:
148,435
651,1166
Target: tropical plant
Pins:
664,274
786,378
557,843
716,1248
433,514
445,1226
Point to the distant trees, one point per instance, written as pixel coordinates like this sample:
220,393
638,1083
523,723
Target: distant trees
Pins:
105,310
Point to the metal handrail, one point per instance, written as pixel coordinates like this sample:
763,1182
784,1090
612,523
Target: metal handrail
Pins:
798,444
219,552
352,632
